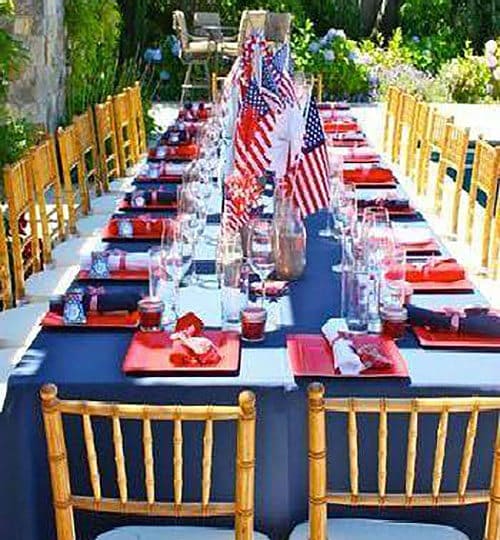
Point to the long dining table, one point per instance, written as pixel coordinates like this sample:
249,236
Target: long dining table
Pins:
86,363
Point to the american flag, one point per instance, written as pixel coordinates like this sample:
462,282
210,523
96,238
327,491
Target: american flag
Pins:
252,138
310,185
280,68
269,88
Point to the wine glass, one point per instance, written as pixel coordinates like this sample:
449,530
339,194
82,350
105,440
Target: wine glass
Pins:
335,181
345,215
377,236
260,250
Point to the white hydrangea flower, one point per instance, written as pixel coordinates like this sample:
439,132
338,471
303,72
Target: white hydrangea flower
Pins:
491,60
496,74
490,46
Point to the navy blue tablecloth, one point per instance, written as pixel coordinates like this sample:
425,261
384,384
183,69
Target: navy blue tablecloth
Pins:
87,364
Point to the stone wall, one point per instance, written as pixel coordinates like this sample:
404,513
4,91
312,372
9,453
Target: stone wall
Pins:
38,93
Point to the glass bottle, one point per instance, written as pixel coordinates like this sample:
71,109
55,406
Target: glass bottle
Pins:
289,242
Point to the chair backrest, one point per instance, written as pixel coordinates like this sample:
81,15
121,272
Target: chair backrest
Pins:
106,140
48,194
434,141
65,501
87,142
404,123
485,178
206,18
453,155
391,115
278,27
77,193
135,97
180,28
19,191
251,20
494,260
418,133
5,277
412,409
125,129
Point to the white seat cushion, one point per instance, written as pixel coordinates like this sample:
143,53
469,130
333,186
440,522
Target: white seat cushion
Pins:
43,285
20,325
105,204
70,252
172,533
370,529
92,225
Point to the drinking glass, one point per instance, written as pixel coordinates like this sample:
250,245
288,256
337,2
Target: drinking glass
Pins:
335,181
260,250
164,272
378,236
231,267
355,298
393,278
345,217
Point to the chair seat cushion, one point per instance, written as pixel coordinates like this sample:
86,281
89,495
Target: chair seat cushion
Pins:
229,47
370,529
172,533
199,48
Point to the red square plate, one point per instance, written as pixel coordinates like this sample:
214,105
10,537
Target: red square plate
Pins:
311,356
450,287
94,320
124,205
148,354
117,275
443,339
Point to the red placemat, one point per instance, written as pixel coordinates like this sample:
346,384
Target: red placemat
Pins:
311,356
148,354
117,275
450,287
375,176
340,126
443,339
108,235
94,320
409,211
347,143
124,205
165,179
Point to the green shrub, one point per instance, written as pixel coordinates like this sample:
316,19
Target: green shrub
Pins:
467,77
336,58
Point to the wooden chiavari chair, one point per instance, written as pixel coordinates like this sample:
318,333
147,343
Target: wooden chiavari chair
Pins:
391,118
106,140
452,157
76,188
485,178
23,224
319,528
48,195
125,132
434,142
419,132
494,260
5,277
87,144
138,117
65,501
402,147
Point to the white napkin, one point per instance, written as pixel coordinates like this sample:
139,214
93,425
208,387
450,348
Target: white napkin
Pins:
175,168
346,359
133,261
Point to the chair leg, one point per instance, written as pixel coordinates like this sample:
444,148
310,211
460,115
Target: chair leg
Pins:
187,82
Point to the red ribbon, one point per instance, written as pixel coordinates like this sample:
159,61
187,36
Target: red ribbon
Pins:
122,261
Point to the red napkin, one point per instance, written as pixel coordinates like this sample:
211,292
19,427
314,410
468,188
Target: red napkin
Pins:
371,175
143,225
443,271
190,347
332,126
